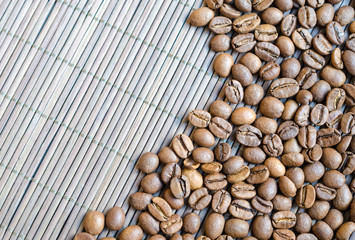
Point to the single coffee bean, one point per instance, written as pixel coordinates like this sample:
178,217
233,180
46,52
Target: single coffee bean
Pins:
261,5
220,25
284,5
333,179
336,59
94,222
261,205
320,90
167,155
232,165
347,165
239,175
292,145
301,38
271,107
276,168
346,231
335,99
322,45
292,159
215,181
296,175
266,125
221,201
254,155
84,236
140,201
319,114
213,167
267,51
248,135
325,14
195,178
223,64
242,75
313,172
115,218
313,60
328,137
307,136
220,127
306,78
303,223
307,17
244,5
350,42
243,115
246,23
253,94
284,88
241,209
262,227
180,187
182,145
335,33
282,234
148,162
344,15
200,199
290,110
343,198
131,232
214,4
220,43
151,183
272,16
252,62
201,17
268,189
348,58
243,42
344,144
302,115
334,219
265,32
148,223
288,24
191,223
334,119
306,196
286,46
160,209
170,171
331,158
290,68
229,11
258,174
282,203
287,187
214,225
176,236
175,203
322,231
199,118
349,94
284,219
304,97
335,77
243,190
203,155
272,145
269,71
172,225
236,228
203,138
222,151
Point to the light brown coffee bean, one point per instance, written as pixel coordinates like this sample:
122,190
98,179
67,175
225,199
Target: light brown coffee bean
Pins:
331,158
239,175
140,201
344,15
215,181
304,97
282,203
148,162
175,203
172,225
290,110
221,201
333,179
160,209
214,225
335,99
236,228
292,145
224,237
284,219
328,137
346,231
246,23
233,89
252,62
201,17
302,115
200,199
306,236
352,27
344,144
203,137
283,5
307,17
322,45
244,42
167,155
261,5
248,135
151,183
269,71
288,24
266,125
222,151
220,25
319,114
287,187
349,58
290,68
276,168
94,222
258,174
195,178
322,231
306,78
272,145
343,198
176,236
229,11
243,190
335,33
315,3
334,219
336,58
213,167
253,94
325,193
349,94
284,88
313,172
214,4
267,51
148,223
265,32
272,15
220,109
296,175
203,155
303,223
223,64
335,77
347,165
199,118
190,164
262,227
306,196
292,159
243,115
220,127
244,5
261,205
313,60
241,209
180,187
271,107
350,42
282,234
182,145
286,46
268,189
325,14
191,223
232,165
254,155
301,38
169,171
131,232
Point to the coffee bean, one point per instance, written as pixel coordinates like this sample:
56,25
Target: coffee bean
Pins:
306,236
331,158
200,199
244,5
236,228
313,172
152,183
241,209
287,187
325,14
302,115
284,88
223,64
252,62
284,5
160,209
172,225
253,94
243,190
182,145
220,127
175,203
302,38
220,25
239,175
170,171
214,4
348,58
344,144
322,45
261,5
258,174
333,179
234,90
286,46
203,238
266,32
343,198
325,193
221,201
215,181
224,237
335,99
220,43
271,107
335,33
350,42
347,230
344,15
306,196
167,155
276,168
283,234
268,189
203,155
315,3
272,15
282,203
243,42
272,145
254,155
320,90
350,94
290,68
307,17
290,110
94,222
222,151
267,51
246,23
148,223
131,232
292,159
269,71
284,219
322,231
140,201
292,145
180,187
313,59
319,114
262,227
176,236
288,130
334,119
347,165
336,58
213,167
191,223
306,78
214,225
249,135
307,137
328,137
195,178
288,25
243,115
303,223
201,17
233,164
148,162
261,205
203,138
335,77
229,11
199,118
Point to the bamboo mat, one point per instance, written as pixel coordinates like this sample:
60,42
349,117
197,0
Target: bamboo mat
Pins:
85,87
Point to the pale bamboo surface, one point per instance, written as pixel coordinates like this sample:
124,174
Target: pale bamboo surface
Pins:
86,86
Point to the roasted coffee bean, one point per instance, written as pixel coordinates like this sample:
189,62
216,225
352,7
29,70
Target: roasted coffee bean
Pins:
243,115
246,23
244,5
350,94
334,119
347,230
283,234
249,135
262,227
267,51
268,189
222,152
347,123
334,219
287,187
200,199
241,209
131,232
203,155
223,64
213,167
304,97
266,125
182,145
302,115
313,59
203,238
315,3
195,178
319,114
220,25
243,190
269,71
214,225
313,172
258,174
307,17
176,236
282,203
261,205
203,138
115,218
306,236
234,91
220,43
265,32
215,181
214,4
336,59
335,77
201,17
148,162
191,223
344,15
292,159
335,99
288,25
328,137
284,5
306,196
239,175
148,223
331,158
272,145
347,165
252,62
160,209
236,228
242,75
302,38
170,171
152,183
224,237
220,127
272,15
307,136
325,14
271,107
167,155
290,68
276,168
180,187
335,33
350,42
175,203
243,42
290,110
233,164
333,179
322,45
286,46
253,94
306,78
320,90
284,219
343,198
254,155
199,118
140,201
284,88
322,231
172,225
345,143
221,201
229,11
94,222
303,223
312,155
261,5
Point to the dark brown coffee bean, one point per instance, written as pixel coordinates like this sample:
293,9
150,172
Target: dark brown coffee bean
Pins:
350,94
220,127
335,33
287,187
234,91
220,25
261,205
199,118
182,145
214,4
272,145
307,17
267,51
203,155
191,223
258,174
325,193
322,231
229,11
306,196
261,5
221,201
271,107
201,17
322,45
328,137
302,38
140,201
270,71
215,181
172,225
282,203
214,225
160,209
265,32
180,187
241,209
200,199
306,78
222,152
284,219
243,190
284,88
313,172
249,135
94,222
262,227
243,42
283,234
288,25
170,171
246,23
303,223
319,114
335,99
347,123
313,59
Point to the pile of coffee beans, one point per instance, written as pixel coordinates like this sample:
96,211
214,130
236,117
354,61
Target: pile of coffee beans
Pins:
293,176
